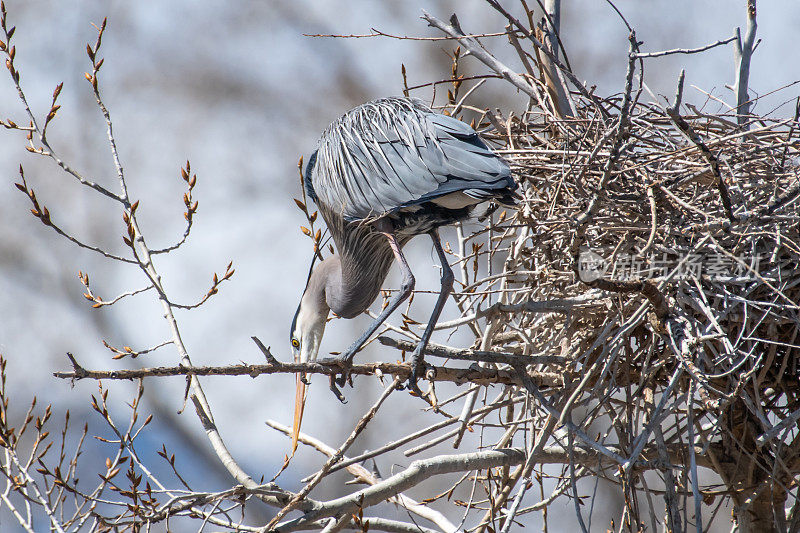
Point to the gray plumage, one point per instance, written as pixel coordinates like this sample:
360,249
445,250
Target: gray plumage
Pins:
382,173
393,153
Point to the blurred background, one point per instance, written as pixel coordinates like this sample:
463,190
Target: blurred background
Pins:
238,90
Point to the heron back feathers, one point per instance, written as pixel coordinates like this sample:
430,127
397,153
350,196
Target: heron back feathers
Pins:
393,153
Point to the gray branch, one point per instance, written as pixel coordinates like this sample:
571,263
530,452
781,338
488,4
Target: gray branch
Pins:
555,83
416,473
687,51
424,469
483,356
743,51
555,305
363,475
439,373
474,47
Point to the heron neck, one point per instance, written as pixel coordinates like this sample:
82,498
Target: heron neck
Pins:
352,281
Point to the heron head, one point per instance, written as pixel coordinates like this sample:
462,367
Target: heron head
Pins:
309,322
306,335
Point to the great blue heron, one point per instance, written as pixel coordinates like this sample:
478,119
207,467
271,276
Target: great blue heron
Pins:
384,172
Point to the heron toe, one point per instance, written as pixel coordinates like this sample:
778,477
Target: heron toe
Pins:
335,389
337,379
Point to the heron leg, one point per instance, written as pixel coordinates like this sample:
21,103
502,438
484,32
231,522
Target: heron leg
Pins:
418,358
407,286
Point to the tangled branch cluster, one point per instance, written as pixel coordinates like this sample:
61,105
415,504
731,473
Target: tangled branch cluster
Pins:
679,228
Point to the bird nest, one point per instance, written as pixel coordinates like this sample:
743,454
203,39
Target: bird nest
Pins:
654,262
671,243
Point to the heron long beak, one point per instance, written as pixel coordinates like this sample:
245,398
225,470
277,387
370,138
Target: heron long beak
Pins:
299,405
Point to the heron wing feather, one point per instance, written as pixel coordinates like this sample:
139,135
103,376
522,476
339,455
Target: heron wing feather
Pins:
396,152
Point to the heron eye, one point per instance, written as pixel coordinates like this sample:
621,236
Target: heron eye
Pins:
295,343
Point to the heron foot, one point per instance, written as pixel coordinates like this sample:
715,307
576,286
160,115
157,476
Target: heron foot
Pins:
338,379
335,390
419,369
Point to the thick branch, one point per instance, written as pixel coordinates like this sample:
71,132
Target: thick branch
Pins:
555,305
688,132
551,56
687,51
555,84
455,375
422,470
743,52
336,456
416,473
364,475
437,350
480,53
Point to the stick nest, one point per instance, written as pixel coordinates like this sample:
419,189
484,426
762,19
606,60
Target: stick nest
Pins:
675,241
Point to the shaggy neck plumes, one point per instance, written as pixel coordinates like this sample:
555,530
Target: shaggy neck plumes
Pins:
349,284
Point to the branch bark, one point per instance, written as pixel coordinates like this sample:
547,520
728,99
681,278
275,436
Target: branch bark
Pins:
555,83
743,51
365,476
469,43
483,356
424,469
440,373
